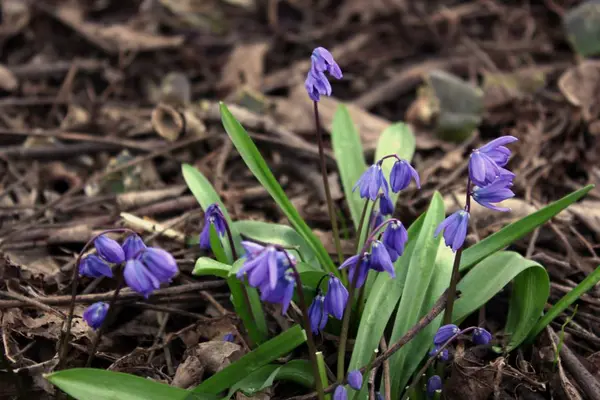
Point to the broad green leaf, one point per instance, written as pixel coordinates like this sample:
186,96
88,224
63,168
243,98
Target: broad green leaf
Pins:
348,151
299,371
207,266
518,229
261,171
382,302
419,347
530,292
278,234
263,355
419,276
99,384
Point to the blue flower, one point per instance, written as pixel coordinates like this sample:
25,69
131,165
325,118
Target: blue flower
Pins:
434,384
261,265
394,239
94,315
109,249
317,314
443,355
495,192
380,259
213,216
228,337
139,278
282,293
455,229
401,174
316,82
340,393
444,334
481,336
362,268
355,379
133,246
385,205
370,182
94,267
485,162
336,297
160,263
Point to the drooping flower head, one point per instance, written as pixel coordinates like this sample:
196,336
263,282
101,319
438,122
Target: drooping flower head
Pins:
361,269
160,263
95,314
481,336
282,293
495,192
385,205
380,259
336,297
445,333
395,237
371,181
316,82
109,249
355,379
340,393
213,216
317,314
94,267
485,162
401,174
443,355
434,384
261,265
455,229
133,246
145,273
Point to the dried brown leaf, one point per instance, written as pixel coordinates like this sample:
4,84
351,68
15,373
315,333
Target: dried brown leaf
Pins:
580,85
245,66
217,354
588,211
189,373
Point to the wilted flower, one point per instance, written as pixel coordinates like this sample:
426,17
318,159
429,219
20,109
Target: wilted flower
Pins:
355,379
380,259
261,265
282,293
495,192
371,181
228,337
481,336
336,297
434,384
316,82
444,334
133,246
401,174
362,269
455,229
340,393
394,239
109,249
213,216
386,206
94,267
94,315
485,162
317,314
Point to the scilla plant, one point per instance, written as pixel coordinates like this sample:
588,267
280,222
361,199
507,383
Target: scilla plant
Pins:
400,285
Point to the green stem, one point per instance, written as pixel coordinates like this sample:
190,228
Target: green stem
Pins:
322,370
330,205
344,332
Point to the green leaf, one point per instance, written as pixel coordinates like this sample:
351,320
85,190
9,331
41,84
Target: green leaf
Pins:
518,229
99,384
348,151
382,302
299,371
322,372
207,266
278,234
414,298
217,246
261,171
263,355
530,292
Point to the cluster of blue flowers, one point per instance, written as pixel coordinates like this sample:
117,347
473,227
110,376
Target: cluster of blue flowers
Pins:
492,183
146,268
332,303
316,83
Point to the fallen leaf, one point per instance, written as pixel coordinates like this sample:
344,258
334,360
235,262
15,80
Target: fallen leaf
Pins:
582,27
8,81
580,84
15,16
588,212
217,354
189,373
503,87
245,66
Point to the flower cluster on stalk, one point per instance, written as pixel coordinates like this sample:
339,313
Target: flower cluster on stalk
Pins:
146,268
492,183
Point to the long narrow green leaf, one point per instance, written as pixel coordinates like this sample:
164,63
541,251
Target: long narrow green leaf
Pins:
263,355
489,277
414,296
99,384
348,151
518,229
261,171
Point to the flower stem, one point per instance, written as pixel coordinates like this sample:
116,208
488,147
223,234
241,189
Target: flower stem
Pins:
312,349
64,347
455,268
330,206
107,319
